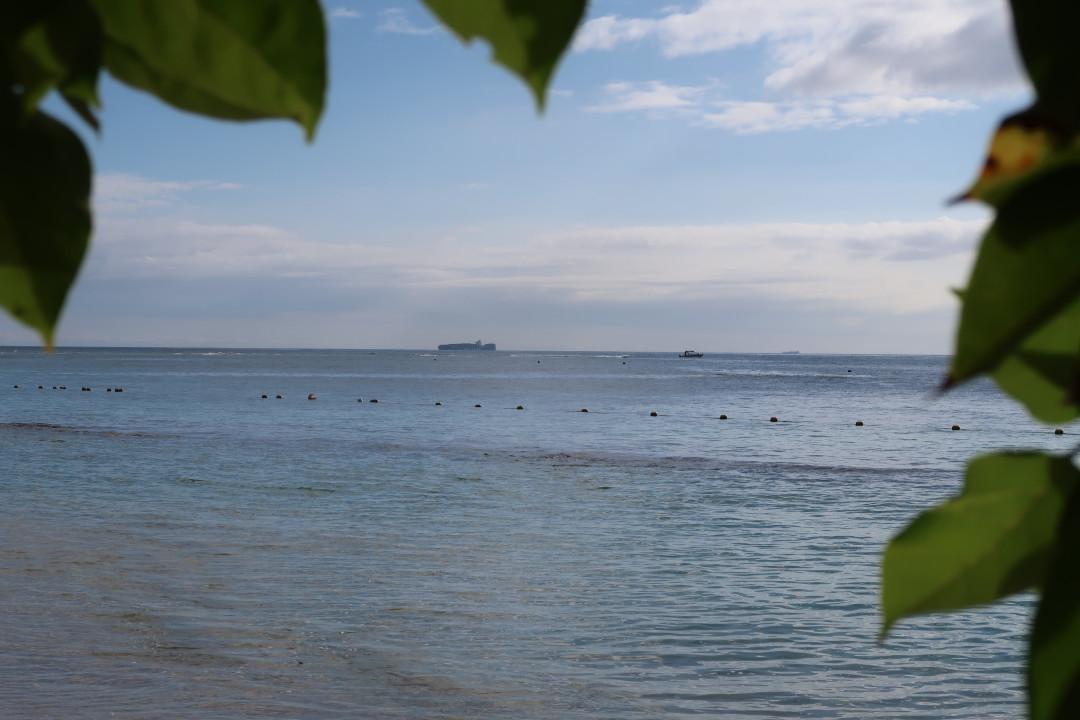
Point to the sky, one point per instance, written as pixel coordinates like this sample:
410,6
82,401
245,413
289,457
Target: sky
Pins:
723,175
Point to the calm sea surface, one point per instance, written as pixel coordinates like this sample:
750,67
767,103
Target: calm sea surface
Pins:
188,549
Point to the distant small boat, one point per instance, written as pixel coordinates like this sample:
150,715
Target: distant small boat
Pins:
790,352
691,353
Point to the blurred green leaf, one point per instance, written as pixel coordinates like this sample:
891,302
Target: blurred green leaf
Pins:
81,108
58,46
527,36
1027,272
987,543
1054,661
44,217
1046,35
226,59
1044,371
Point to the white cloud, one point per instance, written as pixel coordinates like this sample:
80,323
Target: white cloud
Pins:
891,106
122,193
394,20
604,33
894,267
342,13
644,96
829,63
758,117
831,47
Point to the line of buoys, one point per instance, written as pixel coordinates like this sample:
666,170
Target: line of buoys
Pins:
82,388
312,396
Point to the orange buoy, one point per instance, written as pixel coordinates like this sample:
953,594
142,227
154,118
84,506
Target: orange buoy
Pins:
652,414
278,397
438,403
584,409
955,427
858,423
311,396
375,400
723,417
519,407
1059,431
263,397
773,419
476,405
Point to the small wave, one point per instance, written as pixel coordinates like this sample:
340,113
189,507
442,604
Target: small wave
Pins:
72,430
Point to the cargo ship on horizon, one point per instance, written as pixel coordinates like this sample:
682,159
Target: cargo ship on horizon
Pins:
489,347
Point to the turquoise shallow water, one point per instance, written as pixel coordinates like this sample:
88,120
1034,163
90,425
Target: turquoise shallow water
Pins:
187,549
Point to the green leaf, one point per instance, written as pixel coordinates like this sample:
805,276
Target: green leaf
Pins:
1046,36
60,47
1044,372
82,109
527,36
1054,658
987,543
44,217
1027,272
227,59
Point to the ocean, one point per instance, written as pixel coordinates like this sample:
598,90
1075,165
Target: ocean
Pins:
188,548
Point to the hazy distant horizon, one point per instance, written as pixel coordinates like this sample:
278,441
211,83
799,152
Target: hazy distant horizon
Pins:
604,351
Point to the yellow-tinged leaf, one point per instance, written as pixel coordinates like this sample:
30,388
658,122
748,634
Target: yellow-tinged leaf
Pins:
1022,144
